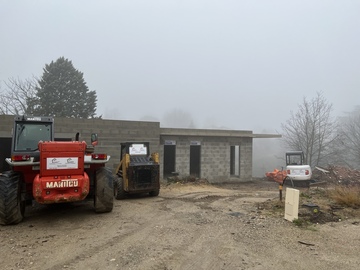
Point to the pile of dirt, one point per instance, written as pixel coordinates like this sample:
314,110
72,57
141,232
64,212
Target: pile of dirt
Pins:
338,175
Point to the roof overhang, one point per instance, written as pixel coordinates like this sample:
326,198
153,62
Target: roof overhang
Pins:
214,133
267,136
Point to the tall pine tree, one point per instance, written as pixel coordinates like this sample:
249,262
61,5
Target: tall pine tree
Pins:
62,92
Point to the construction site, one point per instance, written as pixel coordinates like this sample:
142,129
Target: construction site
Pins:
158,198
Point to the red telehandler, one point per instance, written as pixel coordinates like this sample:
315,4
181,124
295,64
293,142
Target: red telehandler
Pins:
49,171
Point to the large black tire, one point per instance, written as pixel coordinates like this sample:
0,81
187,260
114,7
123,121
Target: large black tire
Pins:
119,191
12,206
104,190
154,193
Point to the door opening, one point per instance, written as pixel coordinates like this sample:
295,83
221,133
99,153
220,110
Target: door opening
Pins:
169,160
195,164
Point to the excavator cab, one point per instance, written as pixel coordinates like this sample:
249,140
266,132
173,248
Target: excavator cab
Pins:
294,158
296,170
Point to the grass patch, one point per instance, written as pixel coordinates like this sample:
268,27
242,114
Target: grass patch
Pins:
346,196
300,222
305,195
305,224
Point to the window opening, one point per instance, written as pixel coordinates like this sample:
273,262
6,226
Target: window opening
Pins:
235,160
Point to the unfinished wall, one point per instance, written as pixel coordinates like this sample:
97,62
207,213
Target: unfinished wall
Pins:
215,153
214,144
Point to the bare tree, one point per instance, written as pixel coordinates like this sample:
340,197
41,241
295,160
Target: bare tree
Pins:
17,96
311,130
349,138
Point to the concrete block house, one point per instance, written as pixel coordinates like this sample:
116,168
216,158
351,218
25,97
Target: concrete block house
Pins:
216,155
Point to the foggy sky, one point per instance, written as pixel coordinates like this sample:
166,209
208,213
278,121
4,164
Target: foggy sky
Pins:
229,63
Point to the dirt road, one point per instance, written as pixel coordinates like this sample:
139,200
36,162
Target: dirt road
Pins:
185,227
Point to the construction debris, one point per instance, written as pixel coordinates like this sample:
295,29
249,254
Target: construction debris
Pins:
339,175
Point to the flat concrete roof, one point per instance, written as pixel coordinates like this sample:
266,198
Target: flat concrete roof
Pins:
267,136
214,133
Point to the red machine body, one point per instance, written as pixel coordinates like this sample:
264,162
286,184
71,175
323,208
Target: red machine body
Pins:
50,171
62,177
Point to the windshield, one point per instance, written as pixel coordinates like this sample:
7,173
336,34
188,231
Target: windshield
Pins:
28,135
294,159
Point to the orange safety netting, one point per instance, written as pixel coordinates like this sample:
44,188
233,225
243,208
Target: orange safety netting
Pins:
277,176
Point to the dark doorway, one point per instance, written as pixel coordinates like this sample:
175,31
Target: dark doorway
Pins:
169,160
5,152
195,151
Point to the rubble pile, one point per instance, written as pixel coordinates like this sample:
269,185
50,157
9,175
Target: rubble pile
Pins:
337,175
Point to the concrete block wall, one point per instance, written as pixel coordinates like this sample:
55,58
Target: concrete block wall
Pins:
215,156
110,134
6,125
215,160
182,162
246,158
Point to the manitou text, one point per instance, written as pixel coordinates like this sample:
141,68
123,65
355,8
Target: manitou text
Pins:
63,183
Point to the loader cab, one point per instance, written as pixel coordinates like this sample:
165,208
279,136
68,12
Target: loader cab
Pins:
138,171
27,133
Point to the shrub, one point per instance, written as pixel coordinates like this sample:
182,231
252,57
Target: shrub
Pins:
346,195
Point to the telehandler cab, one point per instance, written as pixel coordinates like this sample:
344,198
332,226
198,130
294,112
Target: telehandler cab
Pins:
138,170
51,171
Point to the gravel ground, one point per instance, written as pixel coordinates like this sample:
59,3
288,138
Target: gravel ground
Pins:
188,226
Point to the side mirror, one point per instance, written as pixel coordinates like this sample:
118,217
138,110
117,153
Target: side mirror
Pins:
94,139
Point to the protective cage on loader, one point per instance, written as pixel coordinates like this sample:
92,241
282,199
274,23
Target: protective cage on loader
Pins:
51,171
138,170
